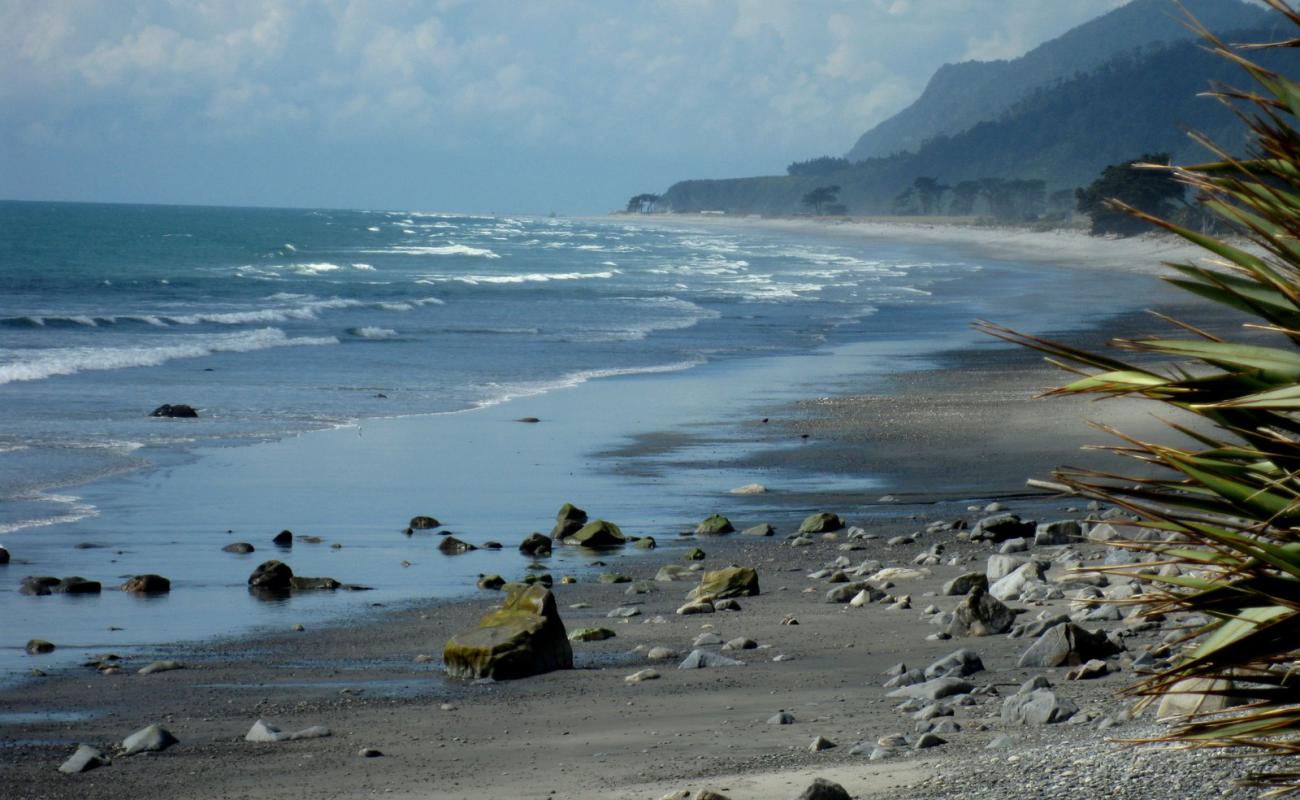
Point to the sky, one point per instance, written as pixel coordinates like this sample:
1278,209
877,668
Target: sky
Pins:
513,106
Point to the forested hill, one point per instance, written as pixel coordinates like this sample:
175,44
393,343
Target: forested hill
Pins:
961,95
1062,134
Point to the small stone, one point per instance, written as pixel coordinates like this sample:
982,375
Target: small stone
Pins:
642,675
39,647
160,666
84,759
369,752
822,789
591,635
819,744
151,739
661,654
781,718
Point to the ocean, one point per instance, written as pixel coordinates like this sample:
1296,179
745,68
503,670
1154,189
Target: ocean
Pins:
354,368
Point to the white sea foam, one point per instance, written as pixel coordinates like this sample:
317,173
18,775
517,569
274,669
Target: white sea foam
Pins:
372,332
530,277
290,248
373,229
504,393
34,365
77,510
435,250
315,268
364,267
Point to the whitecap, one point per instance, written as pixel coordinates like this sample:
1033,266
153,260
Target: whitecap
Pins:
364,267
437,250
372,332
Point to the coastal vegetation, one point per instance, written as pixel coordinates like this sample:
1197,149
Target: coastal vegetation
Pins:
1216,509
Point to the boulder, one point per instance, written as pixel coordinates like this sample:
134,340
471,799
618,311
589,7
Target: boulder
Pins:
491,582
451,546
821,522
822,789
1038,707
980,614
84,759
673,572
568,520
37,647
596,534
238,547
309,584
591,635
957,664
645,543
160,666
536,545
38,585
263,731
283,539
1011,586
4,555
174,411
1001,565
1067,645
525,637
714,525
1192,696
1065,531
729,582
423,523
271,575
762,529
934,689
963,584
157,584
999,527
707,659
845,592
152,739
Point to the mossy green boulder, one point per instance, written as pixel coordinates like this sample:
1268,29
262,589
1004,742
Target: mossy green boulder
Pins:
729,582
694,554
645,543
491,582
613,577
597,534
524,637
821,522
568,520
591,635
715,525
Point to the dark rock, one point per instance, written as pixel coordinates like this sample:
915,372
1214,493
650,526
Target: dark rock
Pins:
714,526
957,664
981,614
529,420
283,539
928,740
569,519
84,759
822,789
76,585
179,411
694,554
536,545
781,718
238,547
491,581
149,584
37,647
1065,531
453,546
821,522
310,584
423,523
525,637
4,555
1067,644
38,585
964,584
491,545
544,579
1001,526
271,575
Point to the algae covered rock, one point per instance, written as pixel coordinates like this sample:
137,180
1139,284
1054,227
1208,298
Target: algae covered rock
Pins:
153,584
694,554
568,520
491,582
821,522
270,575
591,635
597,534
524,637
714,526
729,582
309,584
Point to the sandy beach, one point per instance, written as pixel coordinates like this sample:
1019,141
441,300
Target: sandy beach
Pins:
946,444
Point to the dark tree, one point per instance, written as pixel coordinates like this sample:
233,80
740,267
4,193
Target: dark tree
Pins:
929,193
824,165
904,203
1062,200
819,197
964,195
643,203
1151,190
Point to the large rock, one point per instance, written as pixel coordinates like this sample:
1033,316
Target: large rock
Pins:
1067,645
1192,696
980,614
283,539
153,584
597,534
935,689
568,520
714,525
271,575
307,584
175,411
1038,707
84,759
821,522
1065,531
536,544
238,547
1009,587
4,555
451,546
36,647
822,789
1001,526
957,664
38,585
423,523
525,637
729,582
152,739
964,584
1001,565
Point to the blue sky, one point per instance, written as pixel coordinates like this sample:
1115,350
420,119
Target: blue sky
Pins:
472,105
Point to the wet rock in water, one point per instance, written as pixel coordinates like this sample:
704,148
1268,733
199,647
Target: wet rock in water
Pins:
749,488
613,577
645,542
160,666
980,614
174,411
568,520
729,582
4,555
714,525
525,637
491,581
38,585
38,647
762,529
935,689
781,718
1067,644
529,420
641,676
271,575
423,523
957,664
84,759
821,522
147,584
673,572
313,584
545,580
819,744
591,635
152,739
263,731
599,533
1039,707
452,546
238,547
822,789
536,545
964,584
1000,527
707,659
694,554
283,539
